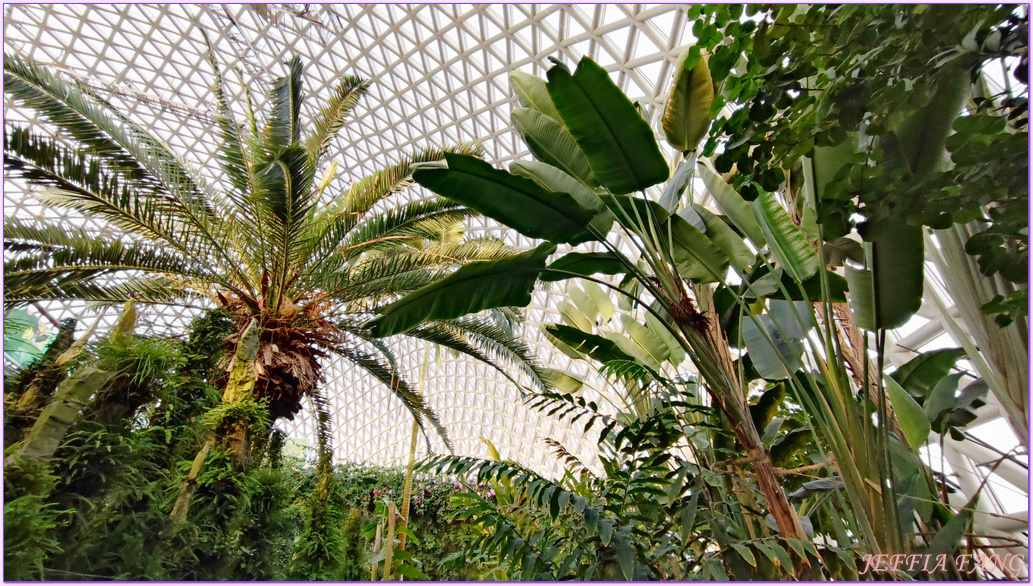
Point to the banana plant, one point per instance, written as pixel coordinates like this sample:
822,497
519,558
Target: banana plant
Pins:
742,290
540,200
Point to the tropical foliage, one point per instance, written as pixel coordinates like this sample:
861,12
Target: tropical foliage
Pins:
750,422
747,292
294,259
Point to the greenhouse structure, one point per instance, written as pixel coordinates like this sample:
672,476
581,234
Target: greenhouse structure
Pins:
516,292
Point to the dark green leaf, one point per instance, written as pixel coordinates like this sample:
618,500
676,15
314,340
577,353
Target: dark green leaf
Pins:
474,287
584,263
924,371
516,202
552,144
619,144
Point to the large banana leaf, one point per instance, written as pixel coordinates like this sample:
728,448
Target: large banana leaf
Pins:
584,263
574,316
472,288
787,241
597,347
584,302
695,256
726,239
687,112
619,144
774,352
920,374
602,301
732,204
531,93
647,339
516,202
889,293
909,414
554,179
552,143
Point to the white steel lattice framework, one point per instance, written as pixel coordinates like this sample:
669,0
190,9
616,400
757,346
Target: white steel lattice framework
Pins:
440,76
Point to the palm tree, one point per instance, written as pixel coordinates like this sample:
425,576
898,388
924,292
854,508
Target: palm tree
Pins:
269,240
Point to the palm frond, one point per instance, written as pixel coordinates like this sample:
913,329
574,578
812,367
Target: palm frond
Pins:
333,114
79,181
412,221
500,343
283,191
446,337
125,146
385,374
151,289
368,191
284,127
42,252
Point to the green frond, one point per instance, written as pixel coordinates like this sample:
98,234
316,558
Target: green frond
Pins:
125,146
80,181
500,343
333,114
284,127
366,192
158,290
382,371
442,335
381,280
412,221
39,252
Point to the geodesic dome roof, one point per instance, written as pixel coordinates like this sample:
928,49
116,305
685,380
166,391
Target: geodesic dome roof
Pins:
439,75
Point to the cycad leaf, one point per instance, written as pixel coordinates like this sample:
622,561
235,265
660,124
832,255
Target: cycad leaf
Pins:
552,143
787,241
333,114
475,287
284,122
618,143
687,112
516,202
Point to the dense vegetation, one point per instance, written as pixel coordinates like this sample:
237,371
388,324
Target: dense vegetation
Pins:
755,429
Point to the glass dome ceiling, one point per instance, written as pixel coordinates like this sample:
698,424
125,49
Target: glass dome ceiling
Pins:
439,75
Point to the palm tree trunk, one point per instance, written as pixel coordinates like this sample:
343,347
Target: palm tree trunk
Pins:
236,434
233,435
